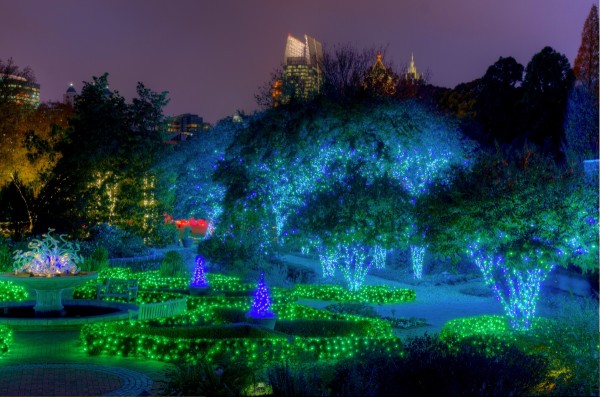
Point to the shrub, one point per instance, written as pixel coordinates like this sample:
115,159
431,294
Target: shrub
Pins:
362,377
323,328
6,259
229,377
357,309
118,242
98,260
430,367
163,234
172,265
571,343
287,380
378,294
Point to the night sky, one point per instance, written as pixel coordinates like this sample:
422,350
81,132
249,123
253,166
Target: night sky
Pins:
213,55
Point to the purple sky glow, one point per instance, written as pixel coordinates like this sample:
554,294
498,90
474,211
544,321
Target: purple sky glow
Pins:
213,55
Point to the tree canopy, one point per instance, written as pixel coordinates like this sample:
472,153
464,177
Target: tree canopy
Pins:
102,174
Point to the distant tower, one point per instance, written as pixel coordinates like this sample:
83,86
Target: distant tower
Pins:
302,66
411,73
69,96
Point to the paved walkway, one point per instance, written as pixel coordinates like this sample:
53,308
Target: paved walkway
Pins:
51,363
437,304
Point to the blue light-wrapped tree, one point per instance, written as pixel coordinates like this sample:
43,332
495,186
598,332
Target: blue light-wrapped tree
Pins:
355,221
516,218
290,158
186,175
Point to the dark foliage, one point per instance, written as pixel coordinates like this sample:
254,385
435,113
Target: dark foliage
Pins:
322,328
430,368
228,377
288,380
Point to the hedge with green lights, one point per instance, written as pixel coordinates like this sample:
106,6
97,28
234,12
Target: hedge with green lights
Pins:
10,292
572,359
182,338
6,339
495,332
367,294
494,327
131,339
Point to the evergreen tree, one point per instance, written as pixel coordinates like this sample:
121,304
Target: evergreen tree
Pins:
496,106
586,62
548,80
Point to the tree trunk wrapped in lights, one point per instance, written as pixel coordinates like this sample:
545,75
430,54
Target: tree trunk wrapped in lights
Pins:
518,218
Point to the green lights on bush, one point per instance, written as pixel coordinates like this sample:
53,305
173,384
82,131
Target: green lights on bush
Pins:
367,294
10,292
6,339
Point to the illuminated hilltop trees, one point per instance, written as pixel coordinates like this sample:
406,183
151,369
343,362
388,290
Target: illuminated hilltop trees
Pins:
343,178
186,174
516,218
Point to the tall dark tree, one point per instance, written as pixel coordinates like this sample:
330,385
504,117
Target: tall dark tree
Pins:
102,175
497,102
546,86
586,62
581,117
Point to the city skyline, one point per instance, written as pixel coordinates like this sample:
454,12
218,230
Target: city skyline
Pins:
212,59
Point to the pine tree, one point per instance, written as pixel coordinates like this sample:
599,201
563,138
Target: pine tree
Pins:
261,305
199,278
586,63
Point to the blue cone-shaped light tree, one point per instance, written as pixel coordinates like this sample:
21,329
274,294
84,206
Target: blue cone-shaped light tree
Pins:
261,304
199,278
199,283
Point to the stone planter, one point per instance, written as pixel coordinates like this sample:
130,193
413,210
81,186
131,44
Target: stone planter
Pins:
49,290
264,322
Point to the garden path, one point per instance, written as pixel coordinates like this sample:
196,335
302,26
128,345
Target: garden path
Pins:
52,363
437,304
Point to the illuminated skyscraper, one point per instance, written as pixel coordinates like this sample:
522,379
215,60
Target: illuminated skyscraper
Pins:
411,73
20,90
183,126
302,65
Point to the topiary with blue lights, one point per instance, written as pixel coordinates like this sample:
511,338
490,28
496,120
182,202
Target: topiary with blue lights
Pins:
261,303
199,279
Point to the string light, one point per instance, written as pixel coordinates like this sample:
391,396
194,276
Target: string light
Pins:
261,305
199,277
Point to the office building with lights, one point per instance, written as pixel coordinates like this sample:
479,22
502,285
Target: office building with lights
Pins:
183,126
20,90
302,65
